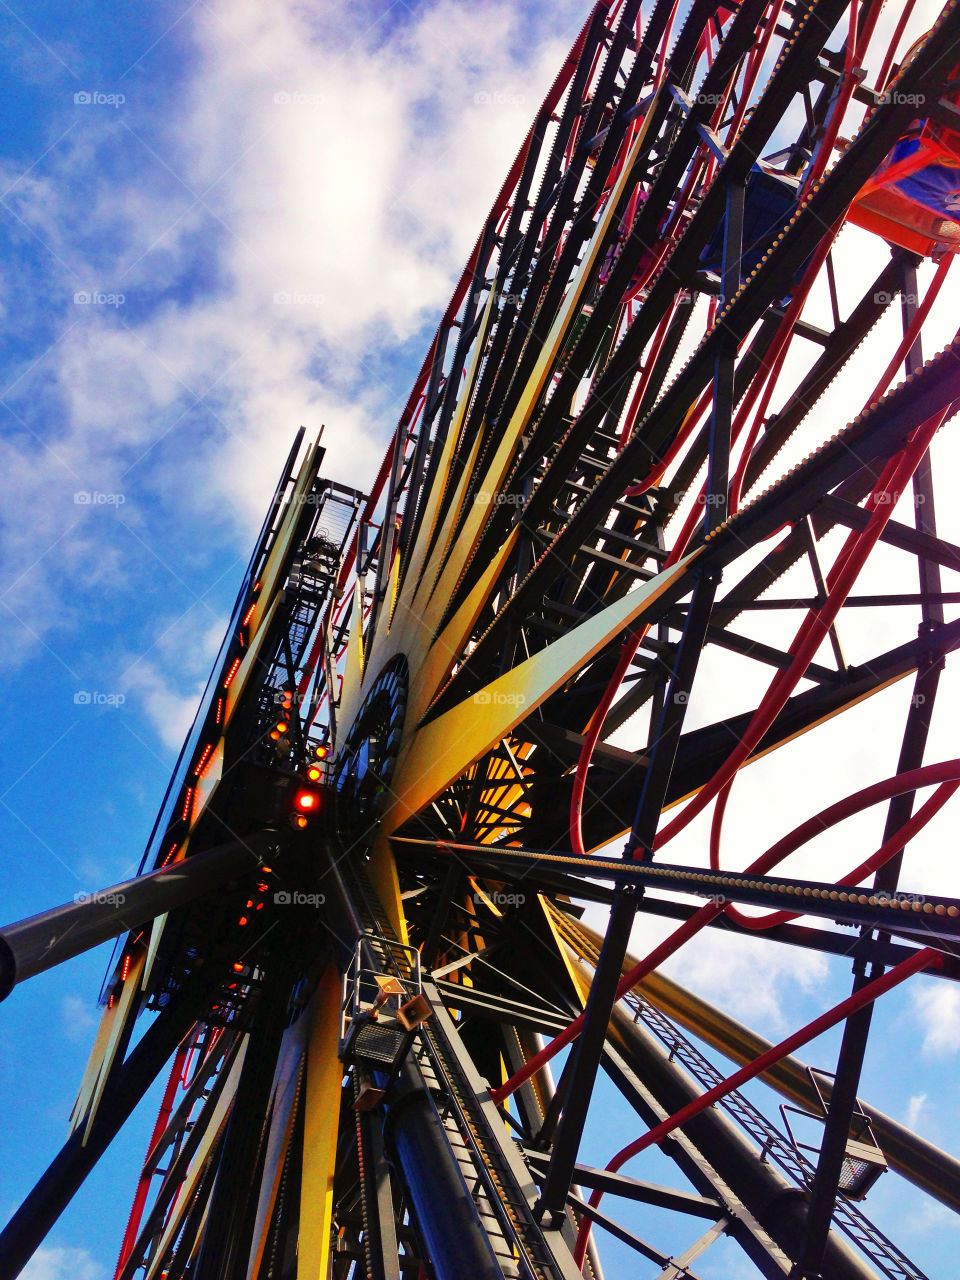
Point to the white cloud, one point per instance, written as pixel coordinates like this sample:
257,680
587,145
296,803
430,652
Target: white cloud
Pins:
362,195
166,680
63,1264
168,710
78,1014
751,979
938,1008
915,1110
930,1221
748,977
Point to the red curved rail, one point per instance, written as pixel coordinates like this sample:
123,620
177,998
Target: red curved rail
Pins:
924,959
945,771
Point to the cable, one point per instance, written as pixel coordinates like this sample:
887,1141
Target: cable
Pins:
946,771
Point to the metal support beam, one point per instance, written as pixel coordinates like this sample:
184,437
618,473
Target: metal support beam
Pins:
853,1045
513,1168
57,1186
767,1216
39,942
620,1233
231,1215
587,1052
439,1197
451,881
932,921
193,1133
832,1149
380,1237
919,542
441,1205
678,1268
586,1055
619,1184
721,417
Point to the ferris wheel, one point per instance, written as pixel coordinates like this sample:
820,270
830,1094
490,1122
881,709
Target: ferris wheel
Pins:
632,648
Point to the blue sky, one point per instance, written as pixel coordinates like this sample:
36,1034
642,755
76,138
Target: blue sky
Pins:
172,175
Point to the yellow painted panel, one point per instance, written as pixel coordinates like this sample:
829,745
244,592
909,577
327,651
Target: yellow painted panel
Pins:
286,1092
126,1007
554,919
447,647
207,783
382,870
376,651
321,1123
198,1239
543,369
427,675
156,933
157,926
441,750
284,535
202,1154
425,589
775,746
353,664
247,665
392,585
429,520
91,1072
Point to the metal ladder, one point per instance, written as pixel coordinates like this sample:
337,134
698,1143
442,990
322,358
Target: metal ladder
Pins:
880,1250
868,1238
503,1210
453,1116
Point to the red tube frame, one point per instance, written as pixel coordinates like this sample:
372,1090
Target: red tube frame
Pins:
945,771
924,959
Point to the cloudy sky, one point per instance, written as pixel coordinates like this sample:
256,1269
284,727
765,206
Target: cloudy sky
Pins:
221,221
